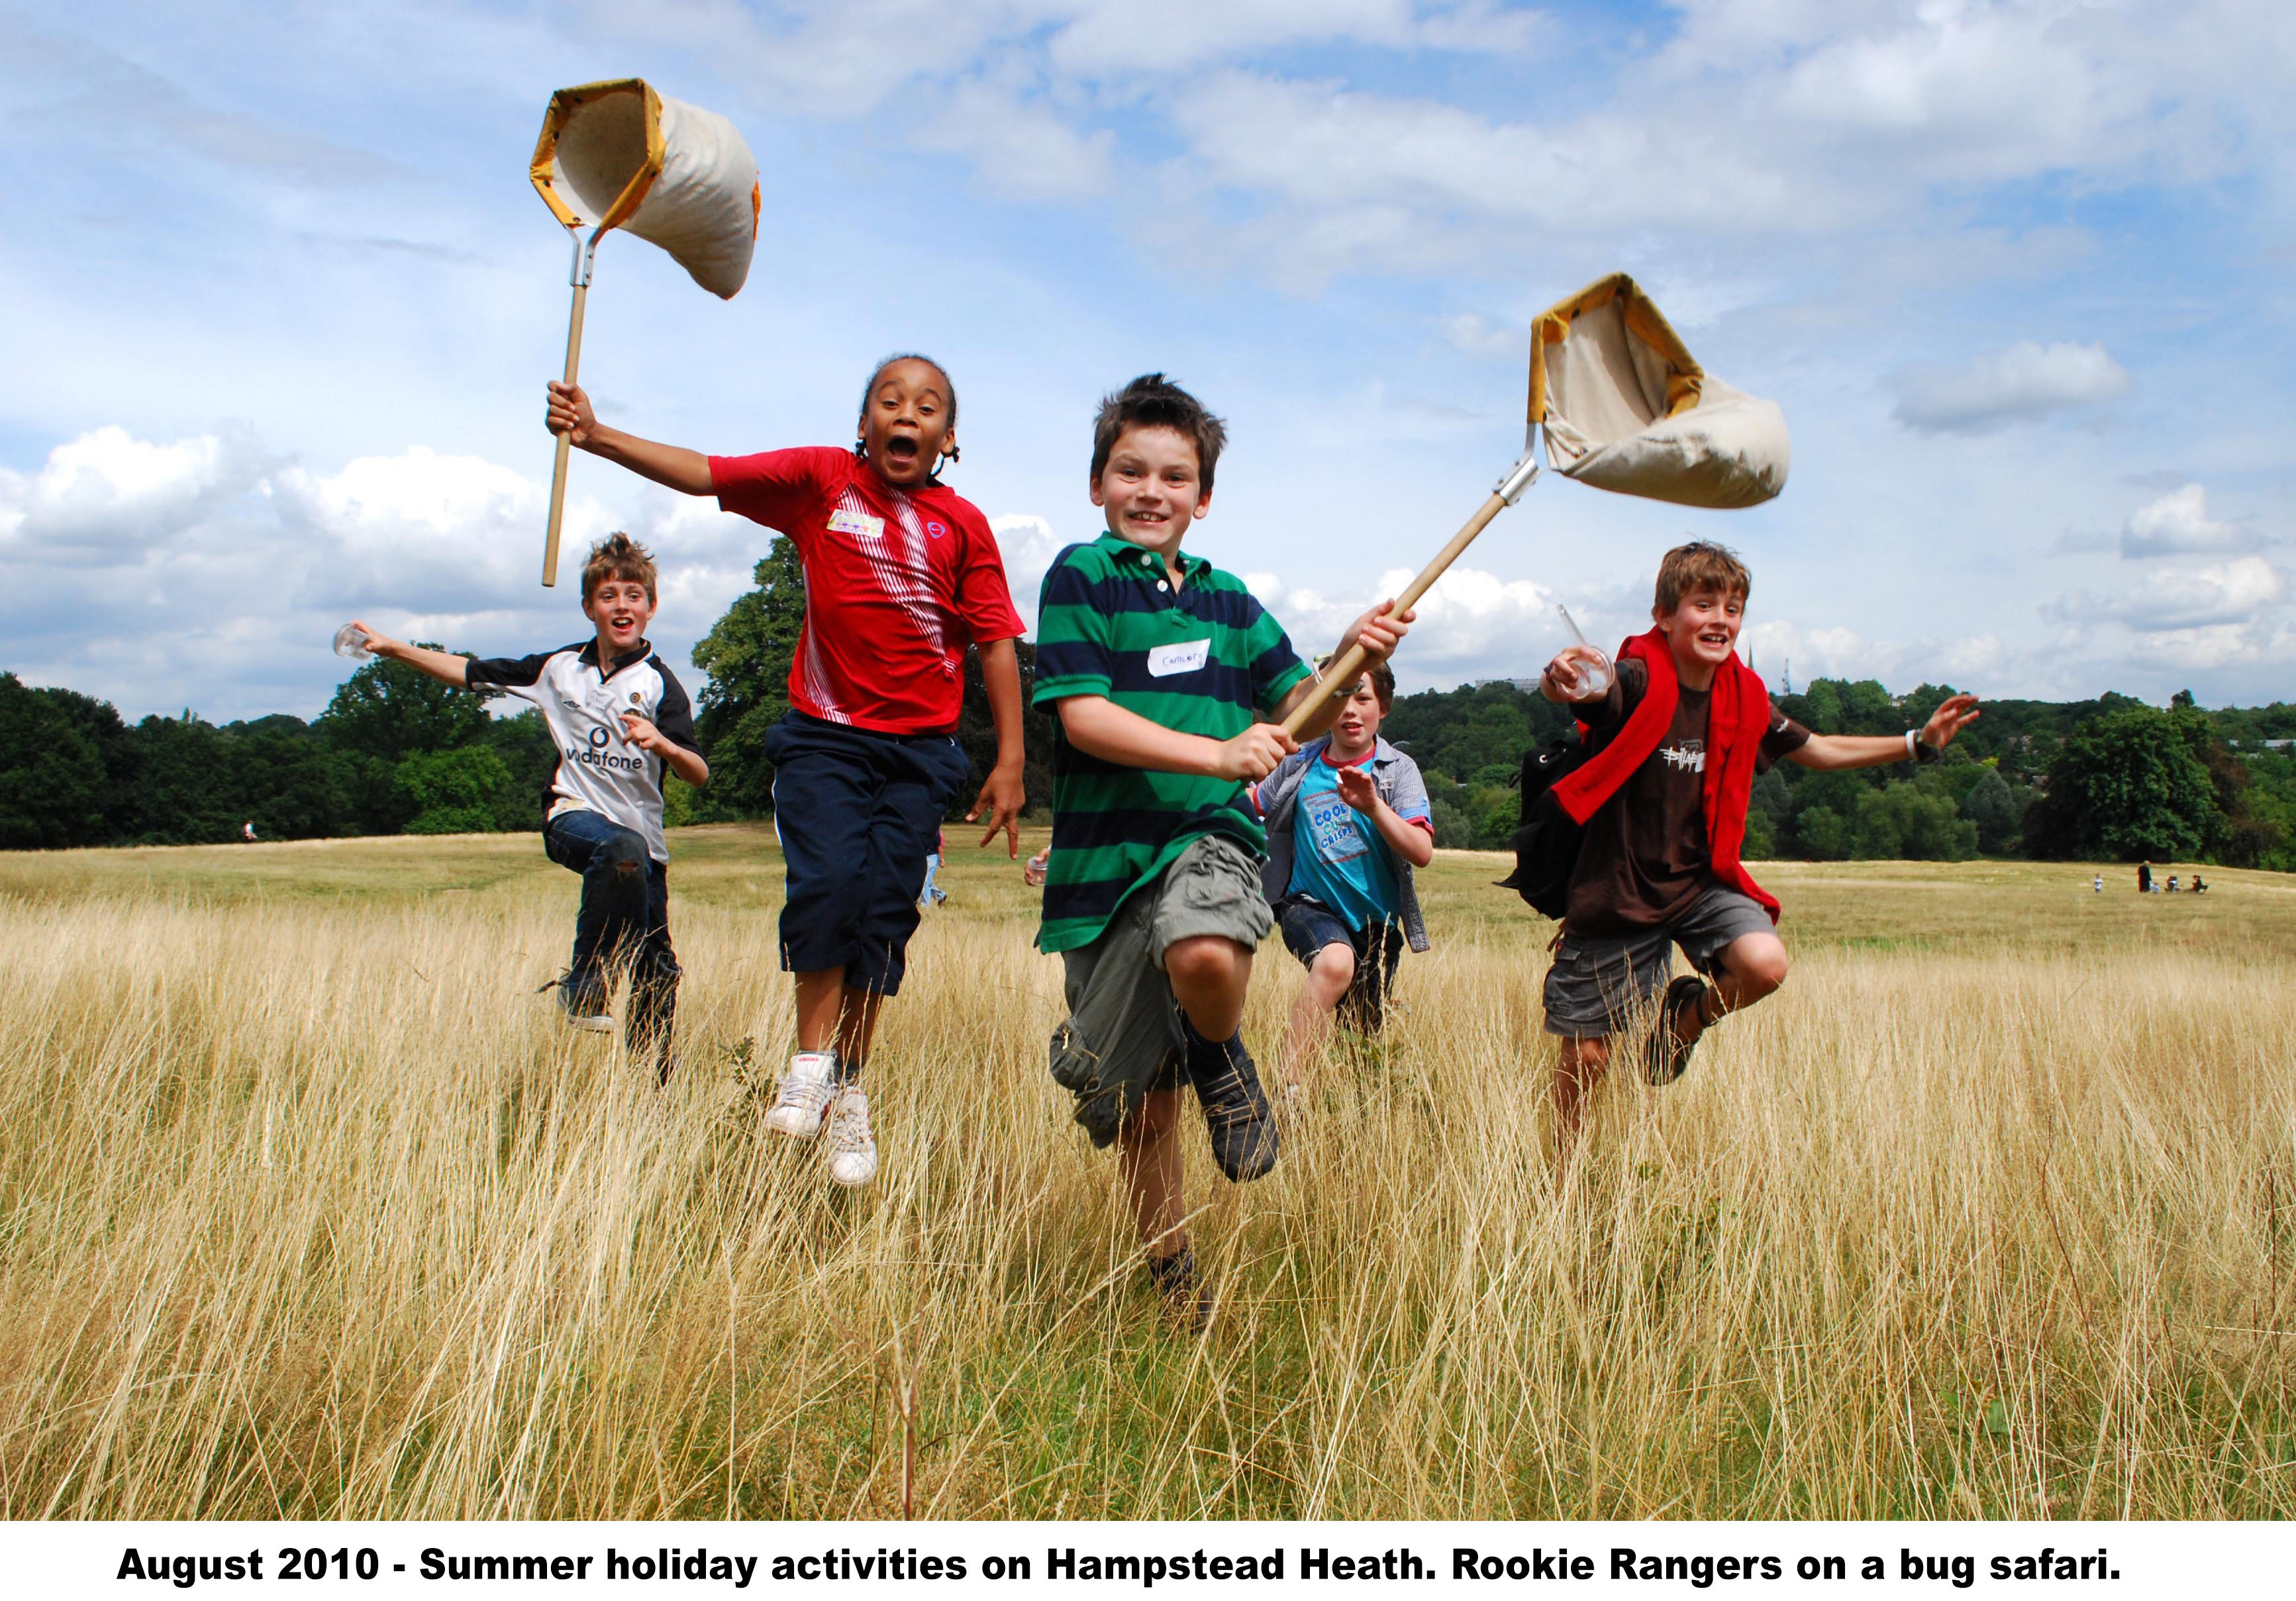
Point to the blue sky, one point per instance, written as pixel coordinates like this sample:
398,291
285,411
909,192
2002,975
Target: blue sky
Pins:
280,304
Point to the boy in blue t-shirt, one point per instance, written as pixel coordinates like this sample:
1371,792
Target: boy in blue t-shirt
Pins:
1347,821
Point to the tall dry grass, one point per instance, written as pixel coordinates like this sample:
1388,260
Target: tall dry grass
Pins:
308,1208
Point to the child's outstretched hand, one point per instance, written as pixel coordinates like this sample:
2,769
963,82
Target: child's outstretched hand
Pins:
646,736
378,643
1379,630
1254,753
1565,677
1356,788
569,412
1003,794
1956,713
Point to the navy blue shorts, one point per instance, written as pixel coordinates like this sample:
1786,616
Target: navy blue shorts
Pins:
1308,925
858,813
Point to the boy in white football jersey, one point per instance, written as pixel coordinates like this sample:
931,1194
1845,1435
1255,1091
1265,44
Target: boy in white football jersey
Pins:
619,719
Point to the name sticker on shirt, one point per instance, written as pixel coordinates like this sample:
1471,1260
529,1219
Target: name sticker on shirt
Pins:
1165,660
857,522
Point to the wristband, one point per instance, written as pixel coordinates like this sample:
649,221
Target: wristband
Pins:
1912,747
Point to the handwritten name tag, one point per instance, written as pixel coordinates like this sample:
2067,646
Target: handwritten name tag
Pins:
857,522
1165,660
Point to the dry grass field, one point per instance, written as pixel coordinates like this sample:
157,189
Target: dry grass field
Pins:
308,1207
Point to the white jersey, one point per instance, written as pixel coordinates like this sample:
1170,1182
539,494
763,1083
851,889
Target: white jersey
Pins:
598,769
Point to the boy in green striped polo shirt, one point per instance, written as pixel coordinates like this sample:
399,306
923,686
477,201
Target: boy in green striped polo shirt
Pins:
1156,662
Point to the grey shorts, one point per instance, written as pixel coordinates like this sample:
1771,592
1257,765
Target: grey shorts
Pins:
1119,1002
1598,983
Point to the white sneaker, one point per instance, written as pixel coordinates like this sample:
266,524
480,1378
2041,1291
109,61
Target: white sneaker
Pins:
805,1093
852,1147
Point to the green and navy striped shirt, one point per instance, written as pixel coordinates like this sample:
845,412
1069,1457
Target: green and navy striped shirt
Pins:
1202,661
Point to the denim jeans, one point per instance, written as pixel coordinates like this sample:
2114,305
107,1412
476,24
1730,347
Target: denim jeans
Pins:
624,923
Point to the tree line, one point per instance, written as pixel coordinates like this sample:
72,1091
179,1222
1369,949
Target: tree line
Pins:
2113,778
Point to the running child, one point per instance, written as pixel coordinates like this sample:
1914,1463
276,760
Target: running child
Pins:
619,719
901,575
1156,662
1347,819
1681,732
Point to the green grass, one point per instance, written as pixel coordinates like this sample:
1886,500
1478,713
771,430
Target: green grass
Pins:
307,1207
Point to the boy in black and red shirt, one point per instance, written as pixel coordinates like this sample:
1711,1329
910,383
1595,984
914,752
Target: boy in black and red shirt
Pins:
1680,729
901,575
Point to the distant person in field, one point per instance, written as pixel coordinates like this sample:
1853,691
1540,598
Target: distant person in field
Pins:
1682,730
1156,663
2198,884
1347,819
2100,884
2144,878
902,574
2172,884
619,720
247,830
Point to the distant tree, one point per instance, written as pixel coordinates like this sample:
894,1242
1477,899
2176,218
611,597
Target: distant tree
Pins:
2127,785
53,781
528,753
1818,707
289,784
184,792
387,710
1453,831
747,655
1493,812
1992,809
1760,844
1900,823
976,730
452,791
1772,797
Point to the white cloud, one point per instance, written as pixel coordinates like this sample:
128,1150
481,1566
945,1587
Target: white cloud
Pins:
2022,383
1028,546
2187,598
1478,335
1471,625
2178,524
203,569
1022,148
105,496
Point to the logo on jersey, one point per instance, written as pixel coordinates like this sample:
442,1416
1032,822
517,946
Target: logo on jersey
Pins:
936,530
845,521
1686,759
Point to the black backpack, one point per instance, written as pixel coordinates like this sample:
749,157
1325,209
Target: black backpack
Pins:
1545,839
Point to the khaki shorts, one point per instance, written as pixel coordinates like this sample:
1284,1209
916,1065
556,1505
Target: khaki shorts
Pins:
1598,983
1122,1037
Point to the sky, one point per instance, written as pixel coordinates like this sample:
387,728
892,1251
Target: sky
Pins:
281,302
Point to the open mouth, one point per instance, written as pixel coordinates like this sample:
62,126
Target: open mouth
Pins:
901,450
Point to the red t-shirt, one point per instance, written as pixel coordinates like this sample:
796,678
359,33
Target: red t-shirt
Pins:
897,584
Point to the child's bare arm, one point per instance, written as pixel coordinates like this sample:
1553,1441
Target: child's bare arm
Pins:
1099,727
686,763
684,471
1003,793
439,664
1831,753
